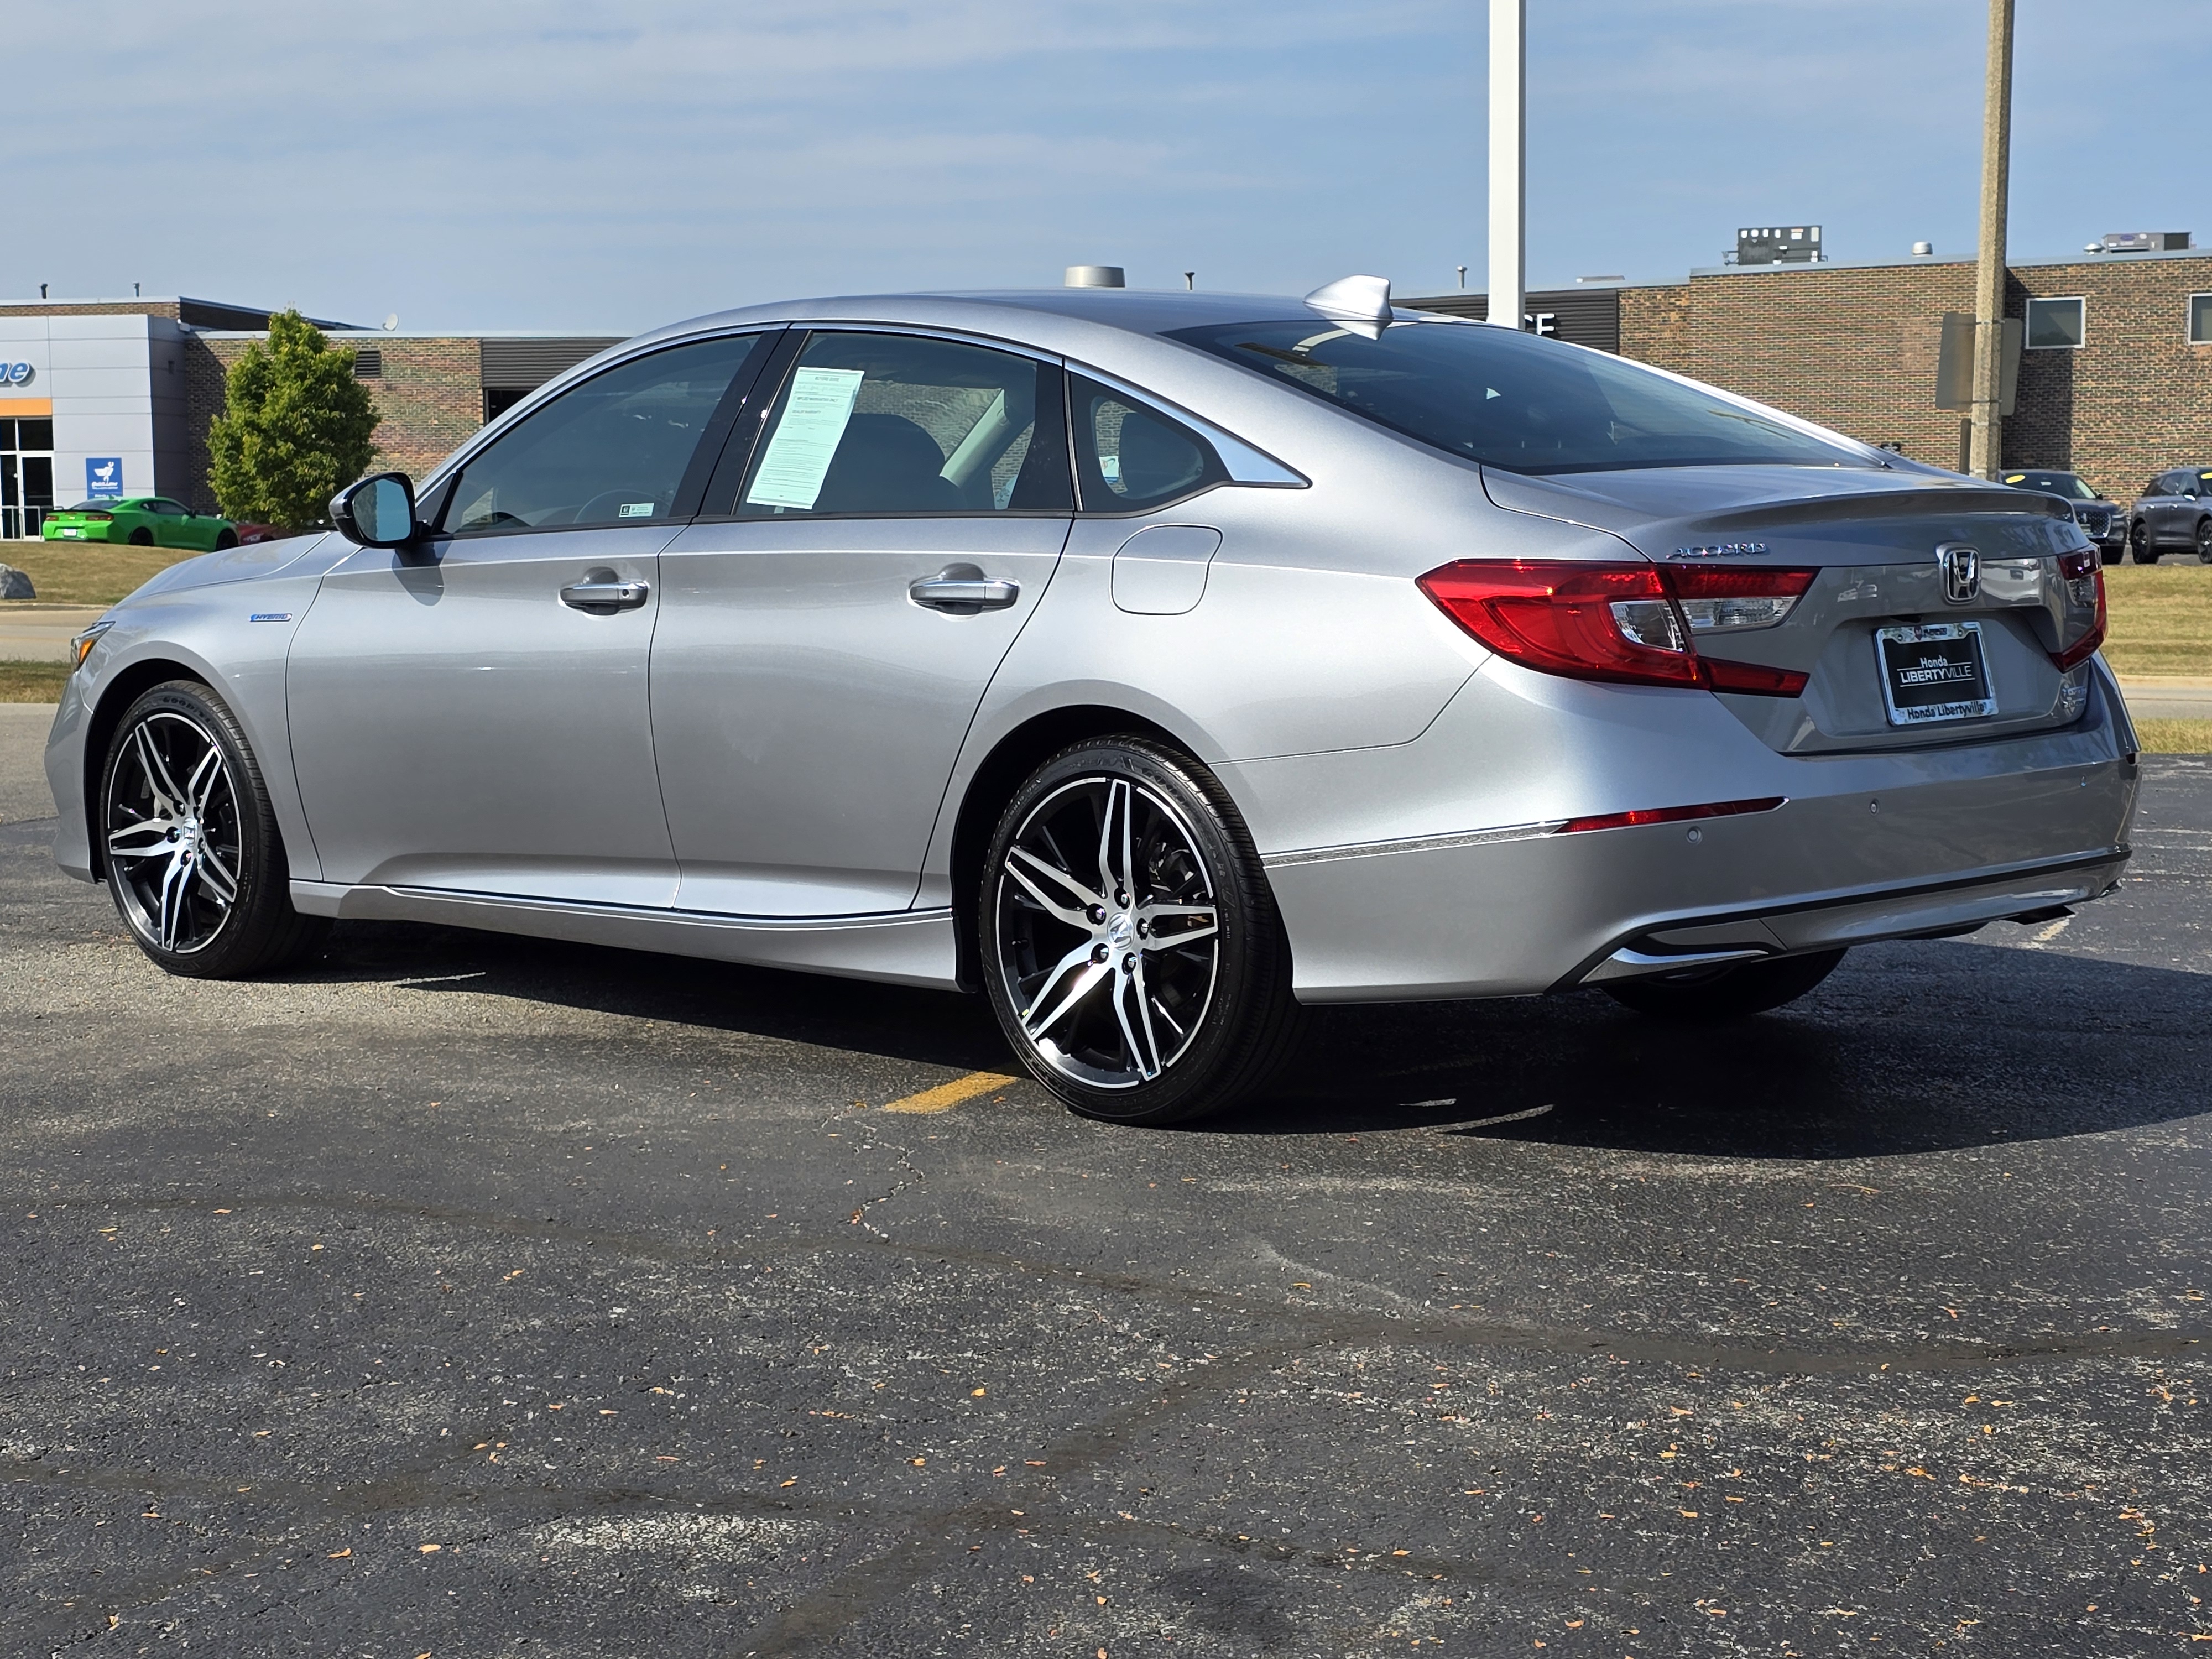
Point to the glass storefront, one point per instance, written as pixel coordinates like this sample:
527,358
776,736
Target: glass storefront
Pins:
27,476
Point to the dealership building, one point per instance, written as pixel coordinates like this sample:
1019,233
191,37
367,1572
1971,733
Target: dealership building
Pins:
106,398
2113,376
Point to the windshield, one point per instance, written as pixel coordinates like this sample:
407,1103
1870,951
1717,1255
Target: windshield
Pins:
1516,401
2069,485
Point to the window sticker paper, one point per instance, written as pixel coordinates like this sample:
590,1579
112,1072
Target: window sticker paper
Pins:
635,510
806,438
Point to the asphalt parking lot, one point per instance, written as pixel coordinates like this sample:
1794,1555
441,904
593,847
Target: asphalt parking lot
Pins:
472,1296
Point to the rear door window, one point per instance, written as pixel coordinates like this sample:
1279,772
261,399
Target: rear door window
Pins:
868,424
1131,458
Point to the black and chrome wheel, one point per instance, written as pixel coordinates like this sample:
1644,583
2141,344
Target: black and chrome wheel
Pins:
1728,992
1131,948
194,858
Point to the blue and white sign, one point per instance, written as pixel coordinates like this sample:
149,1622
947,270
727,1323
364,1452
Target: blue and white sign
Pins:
17,374
103,478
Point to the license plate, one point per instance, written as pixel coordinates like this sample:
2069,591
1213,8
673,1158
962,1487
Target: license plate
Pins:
1933,671
67,531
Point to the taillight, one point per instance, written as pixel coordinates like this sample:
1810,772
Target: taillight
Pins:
100,518
1591,622
1633,625
2078,570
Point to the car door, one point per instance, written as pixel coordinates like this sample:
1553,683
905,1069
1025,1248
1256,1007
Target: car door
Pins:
826,637
165,519
470,714
2170,509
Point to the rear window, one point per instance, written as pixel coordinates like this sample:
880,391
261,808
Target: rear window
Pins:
1513,401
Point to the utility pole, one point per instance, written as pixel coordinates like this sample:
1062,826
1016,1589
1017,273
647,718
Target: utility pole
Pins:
1985,453
1509,171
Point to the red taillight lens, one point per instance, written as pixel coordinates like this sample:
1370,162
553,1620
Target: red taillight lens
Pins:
2084,565
1559,616
1718,809
1633,624
101,517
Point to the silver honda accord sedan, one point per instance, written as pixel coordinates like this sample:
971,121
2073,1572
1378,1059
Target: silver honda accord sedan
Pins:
1153,664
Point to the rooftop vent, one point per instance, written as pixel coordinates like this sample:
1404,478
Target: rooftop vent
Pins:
1094,277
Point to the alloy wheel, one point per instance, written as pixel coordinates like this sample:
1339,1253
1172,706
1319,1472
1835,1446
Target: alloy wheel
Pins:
175,850
1107,932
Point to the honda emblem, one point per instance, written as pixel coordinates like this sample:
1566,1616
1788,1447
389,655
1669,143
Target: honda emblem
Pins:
1962,571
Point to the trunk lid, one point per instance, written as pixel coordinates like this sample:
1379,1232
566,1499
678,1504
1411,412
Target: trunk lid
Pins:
1876,539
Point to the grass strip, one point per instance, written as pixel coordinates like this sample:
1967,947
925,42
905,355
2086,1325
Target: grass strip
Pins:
2161,620
86,573
2175,737
31,682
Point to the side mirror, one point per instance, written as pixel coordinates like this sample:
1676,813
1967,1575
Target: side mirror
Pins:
377,512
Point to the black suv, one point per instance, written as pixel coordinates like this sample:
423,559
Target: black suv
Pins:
2173,514
2100,521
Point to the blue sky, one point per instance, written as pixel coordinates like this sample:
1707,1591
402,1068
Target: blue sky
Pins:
502,164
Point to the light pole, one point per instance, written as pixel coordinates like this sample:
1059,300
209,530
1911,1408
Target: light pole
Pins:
1985,451
1509,173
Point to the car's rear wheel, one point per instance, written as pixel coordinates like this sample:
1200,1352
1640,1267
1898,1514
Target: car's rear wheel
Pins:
141,537
2205,541
1130,946
1729,992
195,859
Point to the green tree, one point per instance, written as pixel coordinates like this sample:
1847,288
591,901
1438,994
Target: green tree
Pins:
295,428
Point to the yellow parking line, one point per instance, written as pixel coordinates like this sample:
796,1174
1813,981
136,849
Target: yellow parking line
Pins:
945,1096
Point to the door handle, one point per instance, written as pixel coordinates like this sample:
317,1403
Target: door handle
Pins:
962,590
602,592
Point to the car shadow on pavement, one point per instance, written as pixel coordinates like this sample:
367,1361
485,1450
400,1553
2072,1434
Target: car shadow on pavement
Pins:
1908,1048
935,1028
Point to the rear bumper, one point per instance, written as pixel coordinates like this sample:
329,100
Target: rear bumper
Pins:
1865,846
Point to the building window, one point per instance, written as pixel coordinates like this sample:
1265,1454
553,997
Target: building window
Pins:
2200,319
2054,324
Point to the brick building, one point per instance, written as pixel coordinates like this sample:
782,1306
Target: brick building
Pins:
2115,379
114,396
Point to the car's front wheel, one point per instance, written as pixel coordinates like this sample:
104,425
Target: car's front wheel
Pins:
1729,992
195,859
1130,946
2139,539
225,540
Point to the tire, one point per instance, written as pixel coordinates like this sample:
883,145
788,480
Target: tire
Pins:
141,537
2205,541
195,861
1134,1023
1727,992
225,540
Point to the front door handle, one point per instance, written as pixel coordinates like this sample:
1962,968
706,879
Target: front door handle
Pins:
602,592
962,590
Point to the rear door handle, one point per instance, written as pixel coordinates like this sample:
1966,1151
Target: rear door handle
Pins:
602,592
963,590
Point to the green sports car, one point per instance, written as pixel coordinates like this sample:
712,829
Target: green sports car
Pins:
142,521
